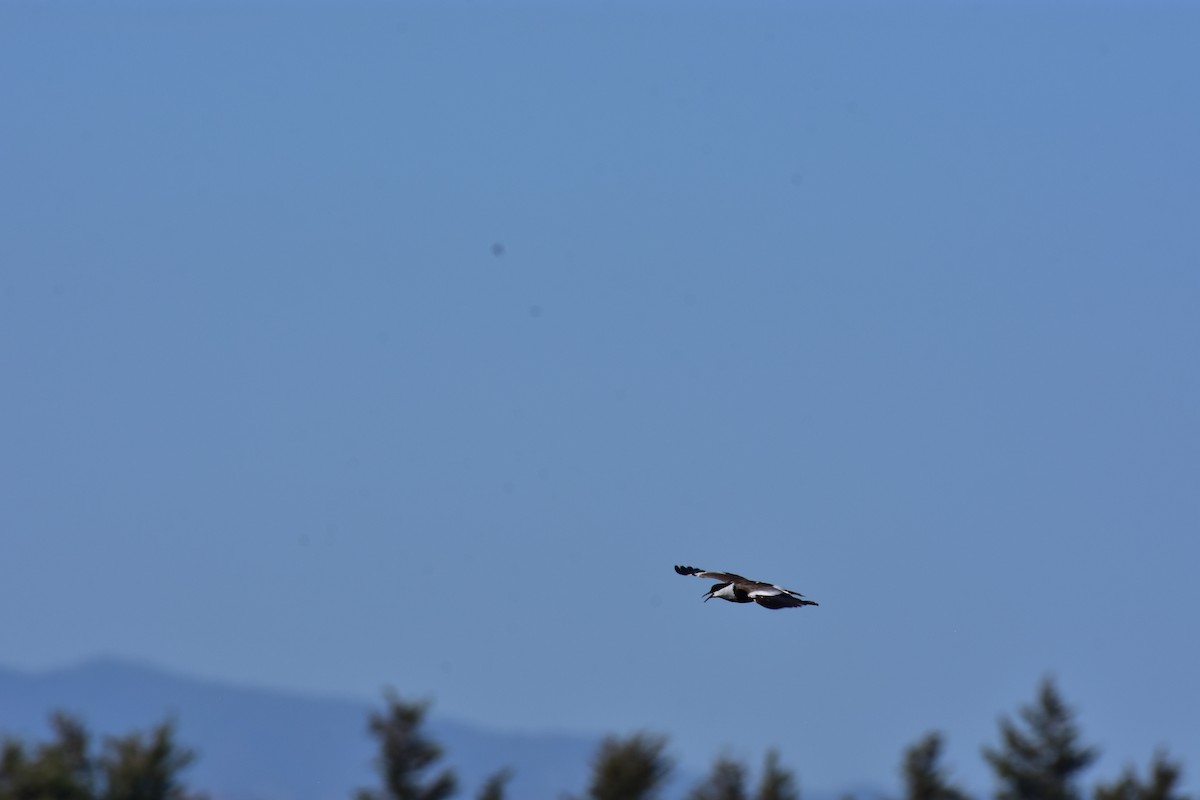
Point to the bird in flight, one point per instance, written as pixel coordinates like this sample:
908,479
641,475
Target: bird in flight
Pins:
737,589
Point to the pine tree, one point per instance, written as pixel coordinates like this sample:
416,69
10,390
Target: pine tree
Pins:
777,783
60,769
405,754
1164,775
726,781
139,768
1043,762
924,776
630,768
132,767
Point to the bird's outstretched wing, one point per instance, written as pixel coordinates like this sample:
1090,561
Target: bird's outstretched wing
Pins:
724,577
771,589
779,600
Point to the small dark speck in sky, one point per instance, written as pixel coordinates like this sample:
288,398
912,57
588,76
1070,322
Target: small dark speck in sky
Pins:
498,249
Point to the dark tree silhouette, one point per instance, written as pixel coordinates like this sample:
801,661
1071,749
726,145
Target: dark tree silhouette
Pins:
131,767
777,783
924,776
726,781
1161,785
60,769
136,767
406,754
630,768
1044,761
493,787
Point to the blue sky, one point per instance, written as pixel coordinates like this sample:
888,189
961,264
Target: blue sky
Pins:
894,304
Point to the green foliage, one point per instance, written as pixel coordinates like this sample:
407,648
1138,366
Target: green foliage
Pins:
924,776
1044,761
726,781
1164,775
777,783
59,769
406,754
1039,757
130,768
493,787
630,768
140,768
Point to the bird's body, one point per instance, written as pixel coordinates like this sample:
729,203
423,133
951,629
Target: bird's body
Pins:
736,589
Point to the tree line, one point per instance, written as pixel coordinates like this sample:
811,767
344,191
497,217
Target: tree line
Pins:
1040,756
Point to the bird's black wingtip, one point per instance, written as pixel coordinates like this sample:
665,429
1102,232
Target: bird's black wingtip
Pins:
686,570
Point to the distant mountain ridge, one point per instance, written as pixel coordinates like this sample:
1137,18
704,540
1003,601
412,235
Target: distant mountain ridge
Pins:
259,744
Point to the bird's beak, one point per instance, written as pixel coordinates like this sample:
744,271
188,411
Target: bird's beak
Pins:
707,596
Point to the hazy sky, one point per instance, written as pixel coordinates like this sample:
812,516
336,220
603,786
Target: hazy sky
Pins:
412,344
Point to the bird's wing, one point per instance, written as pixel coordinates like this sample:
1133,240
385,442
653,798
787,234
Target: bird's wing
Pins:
756,590
771,589
780,600
725,577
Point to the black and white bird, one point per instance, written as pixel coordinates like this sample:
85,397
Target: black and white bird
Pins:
737,589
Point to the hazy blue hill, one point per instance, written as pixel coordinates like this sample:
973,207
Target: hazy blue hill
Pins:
256,744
